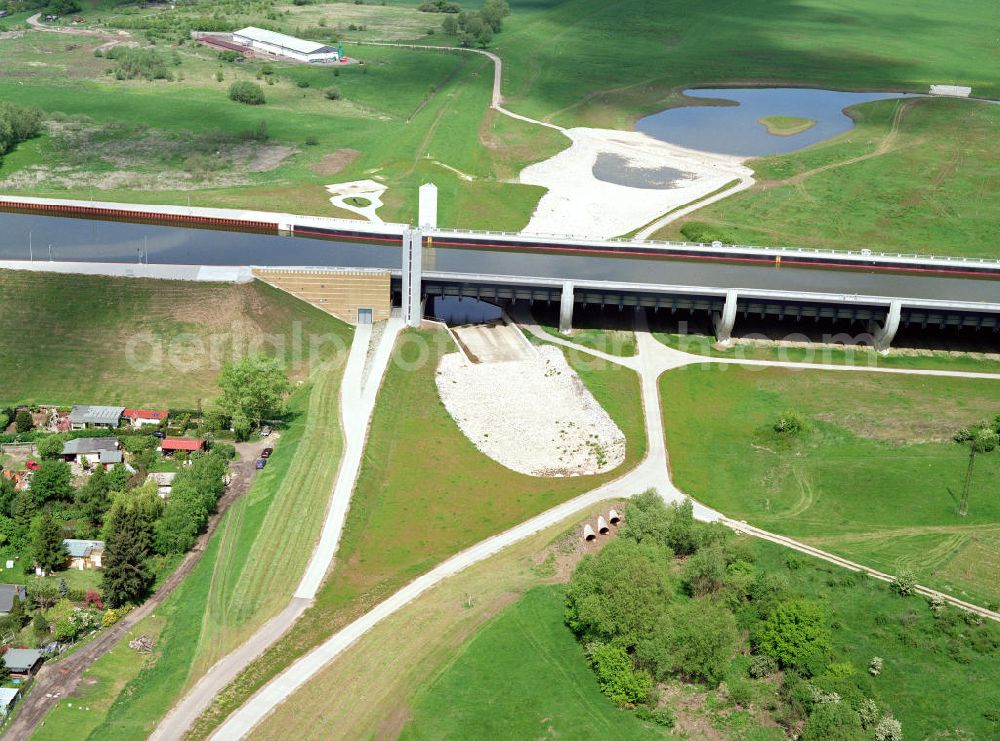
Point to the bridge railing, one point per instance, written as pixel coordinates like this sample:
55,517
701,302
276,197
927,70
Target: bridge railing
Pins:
783,249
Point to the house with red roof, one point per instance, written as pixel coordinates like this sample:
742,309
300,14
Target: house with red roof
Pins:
145,417
187,444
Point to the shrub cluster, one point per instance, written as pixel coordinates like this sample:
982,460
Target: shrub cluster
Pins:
244,91
148,64
17,124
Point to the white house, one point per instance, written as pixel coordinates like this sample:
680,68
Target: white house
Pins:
93,450
272,42
164,482
81,417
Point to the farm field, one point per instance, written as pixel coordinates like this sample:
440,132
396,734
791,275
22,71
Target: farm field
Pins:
892,183
555,689
424,493
248,573
140,341
872,480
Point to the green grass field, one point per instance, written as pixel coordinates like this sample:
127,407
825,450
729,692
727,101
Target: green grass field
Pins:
521,676
869,480
701,344
247,574
424,493
895,183
407,116
587,62
524,674
141,342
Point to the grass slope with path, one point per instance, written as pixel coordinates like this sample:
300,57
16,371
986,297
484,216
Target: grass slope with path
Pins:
368,691
591,63
912,176
424,493
868,480
524,674
248,573
72,339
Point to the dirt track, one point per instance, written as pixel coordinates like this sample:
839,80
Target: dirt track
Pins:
57,680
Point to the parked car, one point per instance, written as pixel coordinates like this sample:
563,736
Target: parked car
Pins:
266,452
32,465
261,462
159,434
265,430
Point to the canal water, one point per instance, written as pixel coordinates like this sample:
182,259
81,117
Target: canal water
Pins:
110,241
733,128
459,310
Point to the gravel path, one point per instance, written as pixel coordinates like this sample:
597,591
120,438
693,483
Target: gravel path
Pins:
532,416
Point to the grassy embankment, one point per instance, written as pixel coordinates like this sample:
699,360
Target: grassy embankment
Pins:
524,674
786,125
873,480
72,339
407,117
424,493
912,176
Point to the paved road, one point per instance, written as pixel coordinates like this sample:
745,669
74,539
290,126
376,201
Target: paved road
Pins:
61,678
653,359
357,403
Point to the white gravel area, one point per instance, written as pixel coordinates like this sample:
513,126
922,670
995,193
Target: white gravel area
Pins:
532,416
578,203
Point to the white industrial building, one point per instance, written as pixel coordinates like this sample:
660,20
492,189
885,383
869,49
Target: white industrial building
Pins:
272,42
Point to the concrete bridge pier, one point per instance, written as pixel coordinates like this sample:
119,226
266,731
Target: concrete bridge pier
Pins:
724,321
566,307
412,259
885,333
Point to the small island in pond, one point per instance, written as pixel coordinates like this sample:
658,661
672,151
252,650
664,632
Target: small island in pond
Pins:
786,125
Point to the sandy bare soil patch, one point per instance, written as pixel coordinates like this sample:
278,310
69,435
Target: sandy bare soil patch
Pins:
334,162
534,416
650,177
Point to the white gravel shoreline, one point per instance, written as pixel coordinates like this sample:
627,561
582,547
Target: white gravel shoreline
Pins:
534,417
577,203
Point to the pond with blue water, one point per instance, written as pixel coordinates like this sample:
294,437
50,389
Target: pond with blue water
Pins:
734,126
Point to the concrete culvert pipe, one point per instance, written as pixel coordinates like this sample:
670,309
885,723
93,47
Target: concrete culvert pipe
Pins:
602,526
588,532
613,517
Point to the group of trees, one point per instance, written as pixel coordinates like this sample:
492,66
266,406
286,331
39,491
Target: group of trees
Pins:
474,28
253,390
17,124
675,599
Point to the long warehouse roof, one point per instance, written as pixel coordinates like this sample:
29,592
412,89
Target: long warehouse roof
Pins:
279,39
